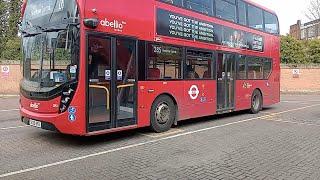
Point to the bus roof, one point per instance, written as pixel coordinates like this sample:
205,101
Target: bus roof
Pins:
247,1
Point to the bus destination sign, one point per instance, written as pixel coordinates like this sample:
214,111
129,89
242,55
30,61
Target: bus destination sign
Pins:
180,26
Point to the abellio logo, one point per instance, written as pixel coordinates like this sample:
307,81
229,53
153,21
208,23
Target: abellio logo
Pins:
115,24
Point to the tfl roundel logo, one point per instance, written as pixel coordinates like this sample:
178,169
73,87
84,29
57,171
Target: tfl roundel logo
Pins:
193,92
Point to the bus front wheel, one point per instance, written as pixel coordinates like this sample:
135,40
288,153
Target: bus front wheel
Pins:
163,112
256,102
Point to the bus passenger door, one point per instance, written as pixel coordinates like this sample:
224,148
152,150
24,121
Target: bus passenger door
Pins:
225,82
99,64
126,73
111,82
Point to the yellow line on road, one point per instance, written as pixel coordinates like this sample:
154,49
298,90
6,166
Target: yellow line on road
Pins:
155,135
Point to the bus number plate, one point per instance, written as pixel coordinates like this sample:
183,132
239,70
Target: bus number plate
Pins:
35,123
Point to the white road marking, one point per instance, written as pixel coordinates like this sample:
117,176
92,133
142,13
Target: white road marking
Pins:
144,143
16,127
159,135
9,110
295,101
293,122
2,96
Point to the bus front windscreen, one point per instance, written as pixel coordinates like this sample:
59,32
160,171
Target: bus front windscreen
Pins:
50,44
43,12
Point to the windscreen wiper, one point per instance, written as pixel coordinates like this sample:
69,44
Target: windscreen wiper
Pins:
53,29
28,34
56,28
39,28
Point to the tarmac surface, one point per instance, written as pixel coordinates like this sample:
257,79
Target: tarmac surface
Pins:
281,142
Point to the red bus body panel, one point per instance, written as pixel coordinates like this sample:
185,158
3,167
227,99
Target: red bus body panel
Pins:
139,21
148,91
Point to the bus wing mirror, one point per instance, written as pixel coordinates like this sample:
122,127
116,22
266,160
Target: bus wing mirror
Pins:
91,23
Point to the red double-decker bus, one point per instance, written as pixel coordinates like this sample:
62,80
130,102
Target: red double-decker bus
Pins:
92,67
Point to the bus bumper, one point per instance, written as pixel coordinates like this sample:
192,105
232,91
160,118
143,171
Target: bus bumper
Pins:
54,122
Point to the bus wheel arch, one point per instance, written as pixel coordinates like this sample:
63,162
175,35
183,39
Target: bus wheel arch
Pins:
163,113
256,101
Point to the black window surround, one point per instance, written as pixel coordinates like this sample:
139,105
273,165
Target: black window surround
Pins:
205,59
266,73
184,62
242,7
227,14
171,2
202,6
160,67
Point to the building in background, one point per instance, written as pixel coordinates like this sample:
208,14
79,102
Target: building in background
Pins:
307,31
295,30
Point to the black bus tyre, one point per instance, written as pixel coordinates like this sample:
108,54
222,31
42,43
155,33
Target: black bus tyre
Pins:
163,112
256,102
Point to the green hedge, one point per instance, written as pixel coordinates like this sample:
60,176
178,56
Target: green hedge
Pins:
294,51
11,49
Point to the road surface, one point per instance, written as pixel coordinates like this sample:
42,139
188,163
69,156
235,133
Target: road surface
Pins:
282,142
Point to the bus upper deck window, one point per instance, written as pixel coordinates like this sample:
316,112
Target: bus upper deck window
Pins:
174,2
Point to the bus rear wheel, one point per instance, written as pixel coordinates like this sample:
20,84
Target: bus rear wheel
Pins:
163,112
256,102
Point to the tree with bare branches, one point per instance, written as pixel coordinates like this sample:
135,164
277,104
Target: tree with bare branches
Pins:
313,11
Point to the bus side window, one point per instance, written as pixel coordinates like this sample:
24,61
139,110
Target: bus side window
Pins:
242,13
255,68
174,2
199,65
204,7
267,68
164,59
226,9
242,68
271,23
255,17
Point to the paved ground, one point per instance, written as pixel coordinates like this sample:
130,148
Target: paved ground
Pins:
282,142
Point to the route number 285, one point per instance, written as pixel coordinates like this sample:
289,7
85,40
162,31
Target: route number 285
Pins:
157,49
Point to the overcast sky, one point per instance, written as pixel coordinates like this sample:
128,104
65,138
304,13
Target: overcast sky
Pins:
288,11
